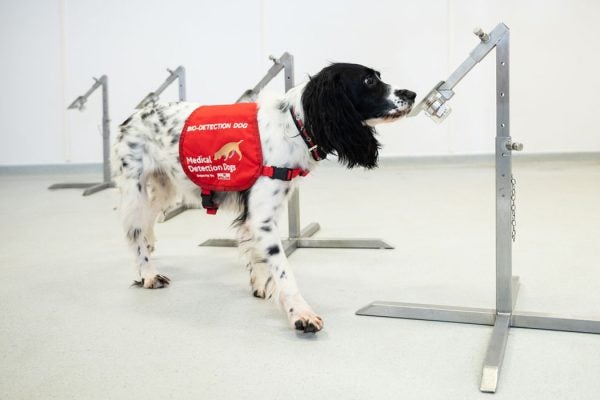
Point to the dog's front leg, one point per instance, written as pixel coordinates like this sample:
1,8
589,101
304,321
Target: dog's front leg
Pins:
266,199
260,277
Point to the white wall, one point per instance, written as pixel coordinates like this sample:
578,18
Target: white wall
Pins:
31,101
52,48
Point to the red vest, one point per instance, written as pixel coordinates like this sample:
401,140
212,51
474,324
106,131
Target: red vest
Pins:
220,150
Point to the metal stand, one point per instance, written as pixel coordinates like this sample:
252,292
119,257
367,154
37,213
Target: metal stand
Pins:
152,97
79,103
298,238
504,316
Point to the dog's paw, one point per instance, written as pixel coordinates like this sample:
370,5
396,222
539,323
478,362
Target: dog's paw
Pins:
154,282
306,321
261,284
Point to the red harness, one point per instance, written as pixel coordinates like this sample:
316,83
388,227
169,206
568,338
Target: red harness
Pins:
220,151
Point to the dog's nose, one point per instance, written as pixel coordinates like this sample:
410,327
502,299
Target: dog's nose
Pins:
407,94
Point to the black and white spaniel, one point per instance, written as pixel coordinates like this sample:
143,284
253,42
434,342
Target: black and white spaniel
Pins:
339,107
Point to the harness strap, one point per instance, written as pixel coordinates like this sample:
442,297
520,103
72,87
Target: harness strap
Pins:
283,174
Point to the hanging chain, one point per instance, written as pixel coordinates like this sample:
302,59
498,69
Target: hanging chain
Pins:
513,206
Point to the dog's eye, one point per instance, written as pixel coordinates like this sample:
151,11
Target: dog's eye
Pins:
370,81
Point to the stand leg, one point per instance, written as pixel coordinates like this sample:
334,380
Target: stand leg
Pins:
90,188
495,354
98,187
71,186
173,212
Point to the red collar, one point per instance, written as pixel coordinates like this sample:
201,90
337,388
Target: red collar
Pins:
313,148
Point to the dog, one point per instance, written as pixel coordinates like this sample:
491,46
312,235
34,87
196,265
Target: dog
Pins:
228,150
337,108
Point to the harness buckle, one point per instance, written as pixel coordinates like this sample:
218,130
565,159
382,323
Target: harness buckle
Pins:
284,174
208,202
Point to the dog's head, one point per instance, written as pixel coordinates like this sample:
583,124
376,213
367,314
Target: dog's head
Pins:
343,103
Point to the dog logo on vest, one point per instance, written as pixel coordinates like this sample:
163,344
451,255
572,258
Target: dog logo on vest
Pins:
228,150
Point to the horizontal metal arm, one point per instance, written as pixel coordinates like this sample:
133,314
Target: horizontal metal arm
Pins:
279,64
151,97
79,102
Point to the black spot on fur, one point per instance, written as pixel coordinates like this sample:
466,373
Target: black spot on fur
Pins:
146,259
266,221
133,145
147,114
283,106
134,234
139,251
139,283
276,192
272,250
175,139
161,118
128,120
291,310
283,275
265,228
139,186
287,190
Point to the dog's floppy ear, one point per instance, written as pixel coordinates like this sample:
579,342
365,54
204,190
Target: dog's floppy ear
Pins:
336,124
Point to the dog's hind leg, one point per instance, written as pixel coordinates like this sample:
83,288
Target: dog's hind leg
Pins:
138,216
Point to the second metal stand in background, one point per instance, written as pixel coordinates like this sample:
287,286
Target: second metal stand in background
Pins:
79,103
298,237
152,97
504,316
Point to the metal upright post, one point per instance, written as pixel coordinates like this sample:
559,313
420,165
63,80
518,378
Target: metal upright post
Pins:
504,316
79,103
504,279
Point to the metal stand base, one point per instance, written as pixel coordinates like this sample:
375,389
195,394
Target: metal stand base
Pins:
292,244
502,323
90,188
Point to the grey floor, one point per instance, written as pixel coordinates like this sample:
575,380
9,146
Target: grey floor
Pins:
71,328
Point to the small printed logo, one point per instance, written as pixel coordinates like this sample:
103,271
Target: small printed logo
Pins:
224,176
